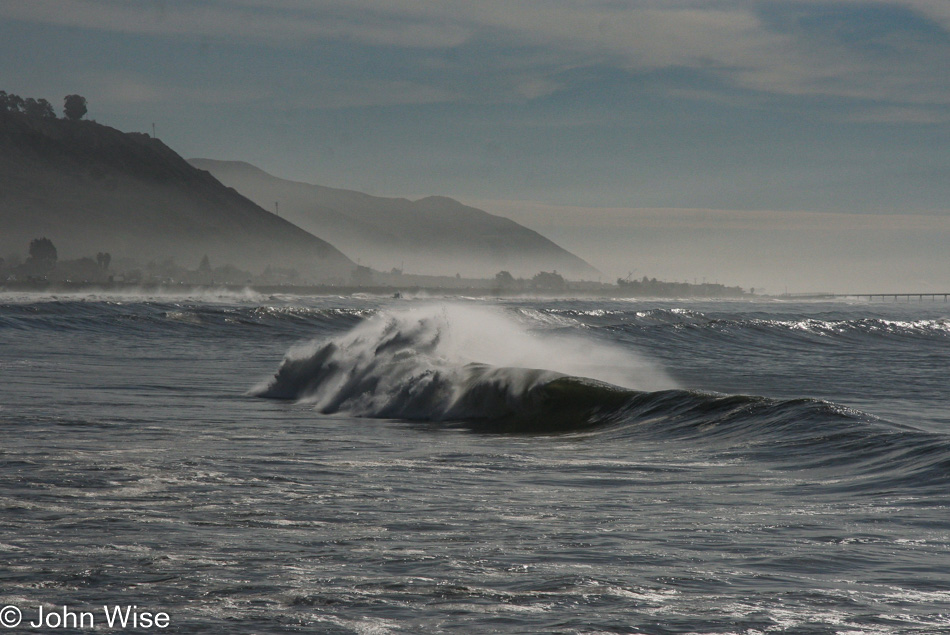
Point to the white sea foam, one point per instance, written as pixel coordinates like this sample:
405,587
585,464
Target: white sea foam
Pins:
445,362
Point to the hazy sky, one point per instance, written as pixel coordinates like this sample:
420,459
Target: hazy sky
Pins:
617,112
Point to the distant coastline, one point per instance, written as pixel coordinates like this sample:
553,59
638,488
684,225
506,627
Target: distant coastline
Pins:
86,207
474,288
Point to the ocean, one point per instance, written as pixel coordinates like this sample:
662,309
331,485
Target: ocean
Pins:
239,463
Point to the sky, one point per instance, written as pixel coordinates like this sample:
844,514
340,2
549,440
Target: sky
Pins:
779,144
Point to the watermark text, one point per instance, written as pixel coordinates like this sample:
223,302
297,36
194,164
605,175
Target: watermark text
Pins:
127,616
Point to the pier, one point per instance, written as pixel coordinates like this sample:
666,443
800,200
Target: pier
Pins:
898,296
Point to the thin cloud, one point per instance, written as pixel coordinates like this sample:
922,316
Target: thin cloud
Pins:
733,42
276,23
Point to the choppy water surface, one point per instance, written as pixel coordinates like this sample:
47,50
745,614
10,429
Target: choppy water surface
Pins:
277,464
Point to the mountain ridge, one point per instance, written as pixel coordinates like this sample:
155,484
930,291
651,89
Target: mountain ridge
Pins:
90,187
433,234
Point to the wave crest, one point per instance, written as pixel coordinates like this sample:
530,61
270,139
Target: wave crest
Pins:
443,363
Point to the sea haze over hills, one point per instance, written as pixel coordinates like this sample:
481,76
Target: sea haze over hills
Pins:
91,188
433,235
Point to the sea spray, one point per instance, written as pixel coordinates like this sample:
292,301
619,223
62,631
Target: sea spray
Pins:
441,362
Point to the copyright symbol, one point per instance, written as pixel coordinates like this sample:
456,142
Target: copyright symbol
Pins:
10,616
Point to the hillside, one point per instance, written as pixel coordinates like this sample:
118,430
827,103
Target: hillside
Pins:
434,235
91,188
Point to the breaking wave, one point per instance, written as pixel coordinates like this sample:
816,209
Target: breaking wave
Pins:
484,370
451,363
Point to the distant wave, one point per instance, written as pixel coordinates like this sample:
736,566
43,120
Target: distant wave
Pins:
230,309
91,314
832,327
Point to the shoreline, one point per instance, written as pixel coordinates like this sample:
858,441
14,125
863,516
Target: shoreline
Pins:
416,291
338,290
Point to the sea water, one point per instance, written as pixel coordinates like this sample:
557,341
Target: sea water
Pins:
269,464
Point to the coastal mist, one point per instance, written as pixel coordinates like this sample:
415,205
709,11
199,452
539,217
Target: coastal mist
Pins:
247,463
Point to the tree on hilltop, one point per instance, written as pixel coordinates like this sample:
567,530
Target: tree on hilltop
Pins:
74,107
10,102
38,108
29,106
